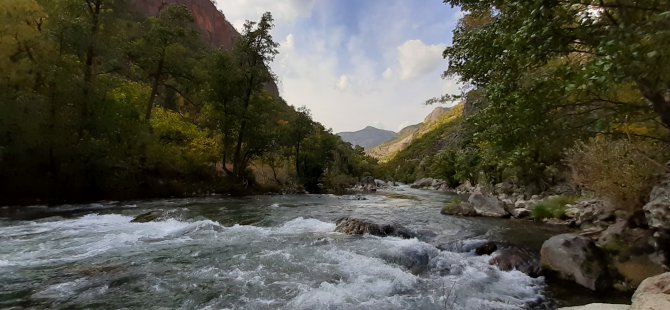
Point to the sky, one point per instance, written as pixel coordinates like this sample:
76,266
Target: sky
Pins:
356,63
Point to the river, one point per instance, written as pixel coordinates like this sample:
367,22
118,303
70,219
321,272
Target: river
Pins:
266,252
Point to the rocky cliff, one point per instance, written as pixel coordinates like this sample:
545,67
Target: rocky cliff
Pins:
216,30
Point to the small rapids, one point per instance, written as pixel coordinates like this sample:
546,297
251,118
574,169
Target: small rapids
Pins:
288,257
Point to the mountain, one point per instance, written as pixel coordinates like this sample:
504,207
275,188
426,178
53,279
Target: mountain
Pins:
367,137
385,151
216,31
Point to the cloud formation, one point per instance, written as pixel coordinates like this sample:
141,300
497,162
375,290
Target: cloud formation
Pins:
357,63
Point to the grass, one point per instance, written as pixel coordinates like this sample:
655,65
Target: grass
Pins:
554,207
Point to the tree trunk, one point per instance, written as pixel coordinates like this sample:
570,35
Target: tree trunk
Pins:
154,87
237,162
94,7
659,97
297,159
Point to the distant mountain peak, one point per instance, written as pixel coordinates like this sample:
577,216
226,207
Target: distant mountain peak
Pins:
367,137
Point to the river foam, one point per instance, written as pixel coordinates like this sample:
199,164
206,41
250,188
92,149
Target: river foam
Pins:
298,264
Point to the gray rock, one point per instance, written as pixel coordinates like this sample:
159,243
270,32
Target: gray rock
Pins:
486,205
459,208
150,216
653,294
422,183
354,226
598,306
657,210
520,213
576,258
381,183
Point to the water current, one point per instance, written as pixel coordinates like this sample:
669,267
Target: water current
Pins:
266,252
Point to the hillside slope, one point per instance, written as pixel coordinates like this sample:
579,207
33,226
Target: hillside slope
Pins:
386,151
216,31
425,147
367,137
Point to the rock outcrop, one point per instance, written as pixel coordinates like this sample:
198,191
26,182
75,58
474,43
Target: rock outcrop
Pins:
354,226
216,31
657,210
576,258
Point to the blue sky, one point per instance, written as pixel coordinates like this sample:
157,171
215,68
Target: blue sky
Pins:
356,63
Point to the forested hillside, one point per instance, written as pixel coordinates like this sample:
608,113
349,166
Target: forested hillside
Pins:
556,92
99,101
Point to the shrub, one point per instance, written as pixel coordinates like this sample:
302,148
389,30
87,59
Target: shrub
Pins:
621,172
553,207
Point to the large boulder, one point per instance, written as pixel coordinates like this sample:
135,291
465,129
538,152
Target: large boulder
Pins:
486,205
423,183
458,208
653,294
657,210
576,258
354,226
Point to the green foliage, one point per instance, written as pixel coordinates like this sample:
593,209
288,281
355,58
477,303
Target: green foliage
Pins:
553,207
100,103
540,76
620,171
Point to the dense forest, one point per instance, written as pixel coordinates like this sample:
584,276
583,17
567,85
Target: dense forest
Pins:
556,92
100,102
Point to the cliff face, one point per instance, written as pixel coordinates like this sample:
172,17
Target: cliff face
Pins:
216,30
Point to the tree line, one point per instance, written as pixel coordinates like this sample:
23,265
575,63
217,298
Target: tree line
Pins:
555,92
98,101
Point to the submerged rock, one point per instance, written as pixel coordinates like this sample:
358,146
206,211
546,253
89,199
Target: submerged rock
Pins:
416,260
576,258
486,248
517,259
150,216
354,226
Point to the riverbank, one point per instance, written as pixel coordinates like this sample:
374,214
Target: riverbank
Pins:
610,249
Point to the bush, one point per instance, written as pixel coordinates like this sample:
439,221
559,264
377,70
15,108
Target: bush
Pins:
621,172
553,207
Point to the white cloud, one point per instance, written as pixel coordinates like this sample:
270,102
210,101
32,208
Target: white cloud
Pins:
343,82
284,11
351,76
388,74
417,58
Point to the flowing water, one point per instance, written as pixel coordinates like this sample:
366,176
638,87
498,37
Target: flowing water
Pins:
264,252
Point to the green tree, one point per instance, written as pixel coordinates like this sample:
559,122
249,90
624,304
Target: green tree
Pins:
166,50
237,92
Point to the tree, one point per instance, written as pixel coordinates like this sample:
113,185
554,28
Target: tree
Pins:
237,91
165,48
601,43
